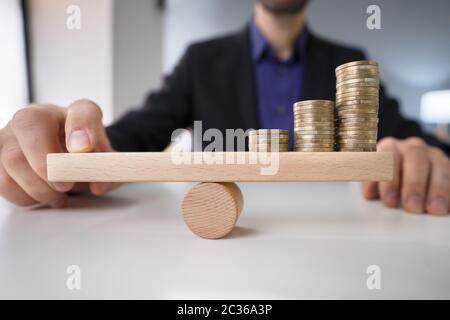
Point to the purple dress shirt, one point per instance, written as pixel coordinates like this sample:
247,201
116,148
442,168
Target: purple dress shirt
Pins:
278,83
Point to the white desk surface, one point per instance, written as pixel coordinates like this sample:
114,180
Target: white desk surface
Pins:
293,241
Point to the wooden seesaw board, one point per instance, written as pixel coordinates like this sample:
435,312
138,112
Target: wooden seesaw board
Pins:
212,208
160,167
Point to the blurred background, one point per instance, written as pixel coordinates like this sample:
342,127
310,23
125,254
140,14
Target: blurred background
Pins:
124,47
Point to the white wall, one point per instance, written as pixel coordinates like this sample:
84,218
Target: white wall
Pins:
72,64
138,34
412,47
13,73
191,20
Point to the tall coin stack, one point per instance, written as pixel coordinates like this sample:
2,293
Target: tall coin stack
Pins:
314,126
268,140
357,86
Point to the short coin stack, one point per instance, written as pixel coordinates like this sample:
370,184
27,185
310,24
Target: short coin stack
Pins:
314,126
357,86
268,140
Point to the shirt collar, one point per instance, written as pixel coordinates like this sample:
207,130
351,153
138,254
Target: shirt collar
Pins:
261,47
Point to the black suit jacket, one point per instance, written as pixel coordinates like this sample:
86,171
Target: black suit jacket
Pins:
214,82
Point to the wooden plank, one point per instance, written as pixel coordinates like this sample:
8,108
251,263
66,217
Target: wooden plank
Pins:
220,167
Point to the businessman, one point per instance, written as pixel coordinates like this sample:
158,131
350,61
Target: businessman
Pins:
246,80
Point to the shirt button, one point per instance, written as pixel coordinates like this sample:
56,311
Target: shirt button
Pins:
281,71
281,109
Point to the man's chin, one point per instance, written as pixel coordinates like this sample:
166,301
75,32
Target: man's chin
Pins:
284,7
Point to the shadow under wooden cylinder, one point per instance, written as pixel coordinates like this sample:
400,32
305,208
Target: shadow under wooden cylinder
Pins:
211,210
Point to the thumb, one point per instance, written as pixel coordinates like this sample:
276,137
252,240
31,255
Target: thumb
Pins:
85,133
84,129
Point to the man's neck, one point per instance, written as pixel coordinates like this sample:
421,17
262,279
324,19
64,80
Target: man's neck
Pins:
281,31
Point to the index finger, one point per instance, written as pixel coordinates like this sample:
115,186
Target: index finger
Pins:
39,131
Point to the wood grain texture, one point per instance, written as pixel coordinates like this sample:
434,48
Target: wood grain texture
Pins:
211,210
159,166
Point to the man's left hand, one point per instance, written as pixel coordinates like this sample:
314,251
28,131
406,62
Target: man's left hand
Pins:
421,178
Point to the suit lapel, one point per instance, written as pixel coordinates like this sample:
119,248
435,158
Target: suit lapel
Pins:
318,83
245,83
319,80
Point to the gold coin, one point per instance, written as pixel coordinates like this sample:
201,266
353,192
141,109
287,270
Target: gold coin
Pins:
359,80
359,132
357,95
346,129
357,147
350,121
360,69
360,103
354,74
357,114
312,106
269,143
303,136
269,131
314,102
315,117
305,126
358,150
311,123
299,149
268,136
313,109
359,120
350,101
360,85
344,141
327,142
362,65
357,135
268,148
311,137
369,91
357,63
356,141
351,114
309,132
329,120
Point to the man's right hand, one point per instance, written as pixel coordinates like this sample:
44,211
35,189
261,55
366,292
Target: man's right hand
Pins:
38,130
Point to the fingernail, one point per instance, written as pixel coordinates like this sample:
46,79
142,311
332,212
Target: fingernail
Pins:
58,203
79,141
102,188
414,203
63,186
439,205
391,199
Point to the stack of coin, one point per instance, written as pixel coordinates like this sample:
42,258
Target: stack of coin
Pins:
268,140
357,86
314,126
